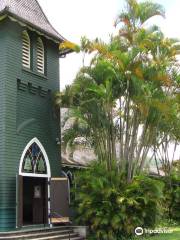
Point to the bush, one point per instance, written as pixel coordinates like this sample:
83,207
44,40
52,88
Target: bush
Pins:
111,207
172,197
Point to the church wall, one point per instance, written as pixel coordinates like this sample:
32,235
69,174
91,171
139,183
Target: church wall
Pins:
24,95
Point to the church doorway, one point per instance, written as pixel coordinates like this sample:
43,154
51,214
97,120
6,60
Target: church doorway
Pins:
33,189
35,200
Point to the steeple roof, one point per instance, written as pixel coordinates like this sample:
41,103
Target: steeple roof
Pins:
31,13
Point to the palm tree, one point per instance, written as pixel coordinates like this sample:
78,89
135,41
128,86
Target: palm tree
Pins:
128,95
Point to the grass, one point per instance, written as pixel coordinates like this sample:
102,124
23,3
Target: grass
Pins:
175,235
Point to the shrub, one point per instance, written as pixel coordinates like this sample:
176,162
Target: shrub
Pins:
172,197
111,207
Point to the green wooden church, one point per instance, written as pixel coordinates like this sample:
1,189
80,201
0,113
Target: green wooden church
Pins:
32,190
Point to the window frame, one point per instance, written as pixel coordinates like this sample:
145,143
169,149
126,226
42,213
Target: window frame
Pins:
48,174
40,56
26,50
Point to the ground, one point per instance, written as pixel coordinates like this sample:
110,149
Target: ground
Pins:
171,236
175,235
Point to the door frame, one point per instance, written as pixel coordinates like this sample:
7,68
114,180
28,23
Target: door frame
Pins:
21,174
19,199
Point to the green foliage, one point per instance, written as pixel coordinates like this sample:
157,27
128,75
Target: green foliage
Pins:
175,235
129,95
111,208
172,197
138,13
127,98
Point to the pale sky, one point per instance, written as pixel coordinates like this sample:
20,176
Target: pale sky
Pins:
95,18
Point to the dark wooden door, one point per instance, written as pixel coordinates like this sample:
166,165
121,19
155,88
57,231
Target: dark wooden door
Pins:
59,195
35,201
38,204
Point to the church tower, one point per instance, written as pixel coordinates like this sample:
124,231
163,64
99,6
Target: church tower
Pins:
30,170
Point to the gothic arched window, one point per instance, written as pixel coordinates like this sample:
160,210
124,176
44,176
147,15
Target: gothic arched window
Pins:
34,160
26,47
40,56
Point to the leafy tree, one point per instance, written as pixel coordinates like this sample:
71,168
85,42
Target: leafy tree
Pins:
129,95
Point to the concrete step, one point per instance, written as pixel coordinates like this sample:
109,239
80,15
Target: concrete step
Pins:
27,230
54,233
73,236
36,234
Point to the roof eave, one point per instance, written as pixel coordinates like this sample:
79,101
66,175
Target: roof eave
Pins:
6,11
74,165
64,52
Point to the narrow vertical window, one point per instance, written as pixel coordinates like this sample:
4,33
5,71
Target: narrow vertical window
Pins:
25,50
40,56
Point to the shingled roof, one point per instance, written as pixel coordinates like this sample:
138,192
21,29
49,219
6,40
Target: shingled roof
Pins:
31,13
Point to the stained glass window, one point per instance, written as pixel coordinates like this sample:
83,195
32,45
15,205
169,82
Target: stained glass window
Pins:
34,161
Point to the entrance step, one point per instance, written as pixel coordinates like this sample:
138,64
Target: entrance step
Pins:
55,233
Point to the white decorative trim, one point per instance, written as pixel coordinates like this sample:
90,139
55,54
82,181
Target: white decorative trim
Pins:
17,205
48,175
49,203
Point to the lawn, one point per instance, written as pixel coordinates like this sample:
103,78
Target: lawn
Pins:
175,235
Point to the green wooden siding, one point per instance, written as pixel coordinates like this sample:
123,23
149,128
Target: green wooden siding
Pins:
19,105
